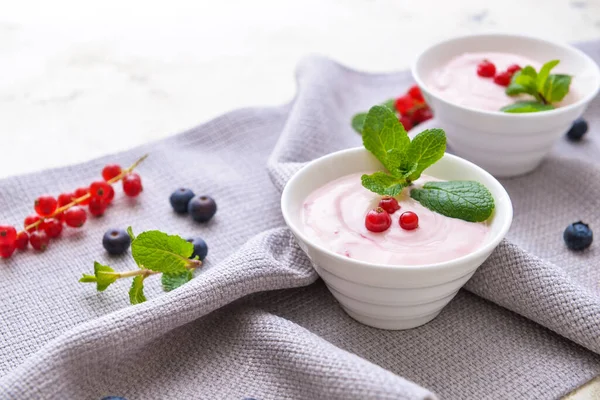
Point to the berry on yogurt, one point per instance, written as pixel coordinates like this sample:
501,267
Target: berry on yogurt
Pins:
378,220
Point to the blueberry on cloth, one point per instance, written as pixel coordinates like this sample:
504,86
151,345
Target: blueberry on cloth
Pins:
578,129
200,247
202,208
116,241
180,199
578,236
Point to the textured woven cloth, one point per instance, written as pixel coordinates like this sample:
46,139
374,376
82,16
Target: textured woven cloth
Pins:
256,321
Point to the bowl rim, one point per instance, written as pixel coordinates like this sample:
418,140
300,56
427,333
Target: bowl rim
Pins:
507,216
509,36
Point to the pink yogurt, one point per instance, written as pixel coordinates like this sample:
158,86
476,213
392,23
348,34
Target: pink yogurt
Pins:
458,82
334,217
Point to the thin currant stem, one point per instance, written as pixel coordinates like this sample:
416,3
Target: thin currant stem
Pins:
85,196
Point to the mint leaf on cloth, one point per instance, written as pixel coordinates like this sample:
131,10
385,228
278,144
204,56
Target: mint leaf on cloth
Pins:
160,252
383,132
383,184
466,200
391,104
104,275
526,107
358,121
173,281
427,148
136,292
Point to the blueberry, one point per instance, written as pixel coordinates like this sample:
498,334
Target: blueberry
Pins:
200,247
578,236
113,398
202,208
116,241
180,199
578,129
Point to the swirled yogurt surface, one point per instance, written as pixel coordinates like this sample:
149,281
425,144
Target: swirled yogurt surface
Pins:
457,81
334,217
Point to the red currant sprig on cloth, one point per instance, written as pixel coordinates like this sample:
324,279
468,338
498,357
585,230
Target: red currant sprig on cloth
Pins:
412,108
69,209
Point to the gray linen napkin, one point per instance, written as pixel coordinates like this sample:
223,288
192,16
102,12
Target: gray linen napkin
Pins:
254,323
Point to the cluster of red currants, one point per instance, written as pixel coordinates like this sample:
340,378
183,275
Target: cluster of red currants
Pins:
379,219
412,108
486,69
51,213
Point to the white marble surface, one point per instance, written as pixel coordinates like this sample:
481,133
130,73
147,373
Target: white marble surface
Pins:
79,79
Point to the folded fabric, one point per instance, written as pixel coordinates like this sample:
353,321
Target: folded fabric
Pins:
256,321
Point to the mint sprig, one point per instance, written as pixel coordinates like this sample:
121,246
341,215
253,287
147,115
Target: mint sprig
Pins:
405,161
154,252
546,88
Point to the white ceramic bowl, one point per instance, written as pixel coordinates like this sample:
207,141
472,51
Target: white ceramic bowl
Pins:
386,296
507,144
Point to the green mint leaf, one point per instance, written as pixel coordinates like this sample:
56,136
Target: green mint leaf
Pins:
466,200
86,278
130,233
425,150
136,292
524,81
173,281
514,89
543,75
160,252
383,184
105,275
358,121
556,88
526,107
383,132
391,104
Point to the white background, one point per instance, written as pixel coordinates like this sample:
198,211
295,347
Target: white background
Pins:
79,79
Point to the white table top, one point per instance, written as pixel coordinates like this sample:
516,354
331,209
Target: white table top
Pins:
81,79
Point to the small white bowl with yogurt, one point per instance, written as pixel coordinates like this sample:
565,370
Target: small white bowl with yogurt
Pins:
467,106
397,279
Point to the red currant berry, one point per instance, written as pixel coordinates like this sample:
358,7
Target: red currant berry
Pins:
486,69
100,189
39,240
503,79
421,115
65,198
132,184
7,250
404,104
22,240
45,205
8,234
389,204
111,194
111,171
80,192
75,217
409,221
406,122
52,226
378,220
415,93
97,206
513,68
30,220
